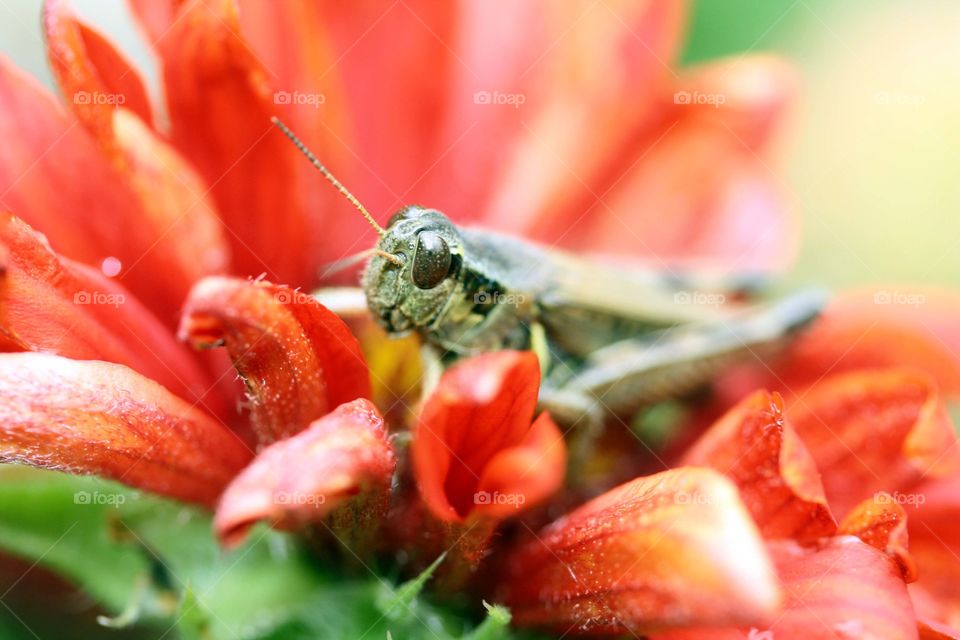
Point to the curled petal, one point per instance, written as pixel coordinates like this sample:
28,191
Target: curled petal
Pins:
872,430
882,523
675,549
52,304
303,478
474,449
297,359
102,418
842,589
778,480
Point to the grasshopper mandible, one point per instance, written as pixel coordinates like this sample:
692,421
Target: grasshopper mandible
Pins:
610,339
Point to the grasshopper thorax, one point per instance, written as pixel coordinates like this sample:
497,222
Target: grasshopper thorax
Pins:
411,290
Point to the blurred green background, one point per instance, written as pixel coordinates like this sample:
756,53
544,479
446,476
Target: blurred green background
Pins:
869,154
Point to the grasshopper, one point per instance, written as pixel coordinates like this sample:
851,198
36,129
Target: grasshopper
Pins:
611,340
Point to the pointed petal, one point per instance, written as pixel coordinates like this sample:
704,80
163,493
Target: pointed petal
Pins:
873,430
302,479
52,304
882,523
474,436
99,214
103,418
94,77
220,101
778,480
671,550
297,359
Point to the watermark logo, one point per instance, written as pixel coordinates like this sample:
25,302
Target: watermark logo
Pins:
495,297
99,298
314,100
899,298
702,298
292,296
902,499
99,498
499,98
99,98
295,499
693,497
496,497
715,100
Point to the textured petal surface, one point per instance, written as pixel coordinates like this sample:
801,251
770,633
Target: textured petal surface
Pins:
671,550
105,419
840,590
303,478
875,430
882,523
777,478
297,359
474,449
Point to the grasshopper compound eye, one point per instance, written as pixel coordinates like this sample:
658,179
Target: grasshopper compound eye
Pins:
432,260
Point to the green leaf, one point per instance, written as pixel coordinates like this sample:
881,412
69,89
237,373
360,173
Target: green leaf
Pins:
155,562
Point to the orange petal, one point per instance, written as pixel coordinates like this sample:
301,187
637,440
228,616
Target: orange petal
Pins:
934,526
301,479
220,101
102,418
930,630
869,431
905,327
155,16
474,449
588,125
297,359
52,304
842,589
94,77
671,550
882,523
146,222
778,480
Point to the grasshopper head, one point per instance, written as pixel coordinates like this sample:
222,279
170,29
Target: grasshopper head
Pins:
408,293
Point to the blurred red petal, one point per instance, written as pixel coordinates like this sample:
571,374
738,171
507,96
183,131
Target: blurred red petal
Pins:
930,630
933,520
881,328
148,222
94,78
155,16
589,125
220,101
882,523
870,431
474,437
778,480
297,359
843,589
300,480
676,549
102,418
55,305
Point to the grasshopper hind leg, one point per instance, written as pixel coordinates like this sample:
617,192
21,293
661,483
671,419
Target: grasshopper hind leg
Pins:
630,374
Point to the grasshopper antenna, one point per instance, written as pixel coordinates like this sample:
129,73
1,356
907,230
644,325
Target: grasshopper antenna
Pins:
326,174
